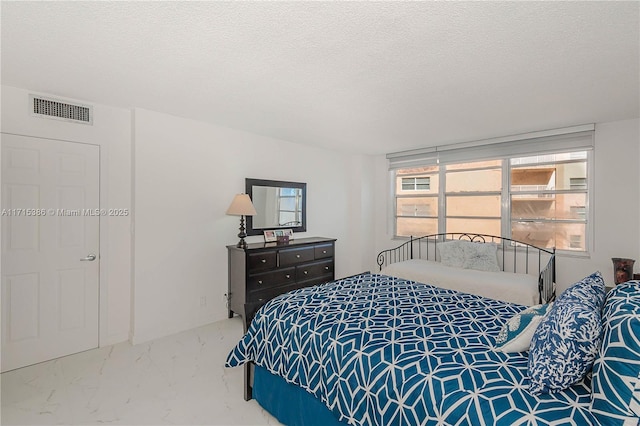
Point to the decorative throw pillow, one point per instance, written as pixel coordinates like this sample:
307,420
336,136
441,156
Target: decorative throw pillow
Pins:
566,342
452,253
616,371
481,256
516,334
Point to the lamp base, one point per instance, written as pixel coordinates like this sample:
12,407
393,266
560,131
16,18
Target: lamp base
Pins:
242,243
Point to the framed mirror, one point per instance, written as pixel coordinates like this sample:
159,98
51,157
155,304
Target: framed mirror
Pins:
279,205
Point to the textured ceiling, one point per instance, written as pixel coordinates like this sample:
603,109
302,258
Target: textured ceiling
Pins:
356,76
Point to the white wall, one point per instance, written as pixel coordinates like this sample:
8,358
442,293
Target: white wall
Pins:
616,204
181,175
111,130
185,176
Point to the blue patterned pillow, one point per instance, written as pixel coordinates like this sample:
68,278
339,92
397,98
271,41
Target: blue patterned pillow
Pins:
516,334
566,342
616,372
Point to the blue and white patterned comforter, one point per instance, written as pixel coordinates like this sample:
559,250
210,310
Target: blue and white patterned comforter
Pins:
386,351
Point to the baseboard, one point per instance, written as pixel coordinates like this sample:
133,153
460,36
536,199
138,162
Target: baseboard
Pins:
114,339
143,336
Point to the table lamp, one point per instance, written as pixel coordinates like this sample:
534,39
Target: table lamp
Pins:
241,206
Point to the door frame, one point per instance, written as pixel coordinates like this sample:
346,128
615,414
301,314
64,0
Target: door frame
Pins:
103,337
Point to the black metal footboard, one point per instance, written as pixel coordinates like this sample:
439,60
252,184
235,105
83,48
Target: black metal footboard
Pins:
516,256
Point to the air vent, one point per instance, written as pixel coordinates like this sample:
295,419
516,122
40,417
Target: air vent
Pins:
58,109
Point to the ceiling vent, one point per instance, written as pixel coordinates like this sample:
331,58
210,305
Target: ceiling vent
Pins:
60,110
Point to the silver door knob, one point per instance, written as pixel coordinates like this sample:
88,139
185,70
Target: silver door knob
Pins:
89,258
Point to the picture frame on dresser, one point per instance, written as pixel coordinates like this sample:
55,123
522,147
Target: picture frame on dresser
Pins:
274,234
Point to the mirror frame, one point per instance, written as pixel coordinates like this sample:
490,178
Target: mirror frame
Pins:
250,183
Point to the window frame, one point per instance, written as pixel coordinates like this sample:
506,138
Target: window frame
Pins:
394,205
588,191
506,193
443,216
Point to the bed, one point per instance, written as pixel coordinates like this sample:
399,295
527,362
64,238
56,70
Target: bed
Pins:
374,349
487,265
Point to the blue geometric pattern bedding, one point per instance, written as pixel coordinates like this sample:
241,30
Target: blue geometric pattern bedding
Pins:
378,350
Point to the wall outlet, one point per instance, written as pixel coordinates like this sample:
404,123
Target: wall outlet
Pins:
203,301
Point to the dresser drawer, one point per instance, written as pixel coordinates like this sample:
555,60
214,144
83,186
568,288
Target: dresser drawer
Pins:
263,296
295,256
324,251
261,260
271,278
312,270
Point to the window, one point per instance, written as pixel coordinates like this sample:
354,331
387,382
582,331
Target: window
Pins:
548,200
289,207
473,197
416,183
578,183
578,211
417,200
575,241
538,199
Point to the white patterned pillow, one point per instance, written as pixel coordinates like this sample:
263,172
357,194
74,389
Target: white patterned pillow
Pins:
566,342
481,256
452,253
616,371
516,334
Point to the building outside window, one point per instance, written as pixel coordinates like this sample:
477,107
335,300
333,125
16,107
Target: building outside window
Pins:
548,200
578,183
539,199
575,241
416,183
417,207
473,197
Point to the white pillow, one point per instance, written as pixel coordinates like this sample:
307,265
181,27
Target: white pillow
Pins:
452,253
481,256
516,334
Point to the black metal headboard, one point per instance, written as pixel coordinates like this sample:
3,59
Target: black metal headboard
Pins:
517,256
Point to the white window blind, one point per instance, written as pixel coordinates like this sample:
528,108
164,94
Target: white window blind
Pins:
543,142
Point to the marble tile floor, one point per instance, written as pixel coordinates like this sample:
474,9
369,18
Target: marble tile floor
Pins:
175,380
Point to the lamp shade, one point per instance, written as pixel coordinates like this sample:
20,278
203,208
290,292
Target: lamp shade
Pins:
241,206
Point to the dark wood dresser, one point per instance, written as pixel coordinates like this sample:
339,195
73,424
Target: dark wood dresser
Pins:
263,271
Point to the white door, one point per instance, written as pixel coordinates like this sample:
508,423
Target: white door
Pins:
50,233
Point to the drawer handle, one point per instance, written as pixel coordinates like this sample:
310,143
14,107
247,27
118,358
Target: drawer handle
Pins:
324,252
259,281
263,260
297,256
287,276
306,272
326,268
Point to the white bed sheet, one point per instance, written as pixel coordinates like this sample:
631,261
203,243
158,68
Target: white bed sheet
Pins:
505,286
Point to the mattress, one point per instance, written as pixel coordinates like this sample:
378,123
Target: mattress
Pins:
504,286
